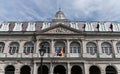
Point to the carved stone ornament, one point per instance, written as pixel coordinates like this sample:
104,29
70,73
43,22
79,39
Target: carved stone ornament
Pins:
60,30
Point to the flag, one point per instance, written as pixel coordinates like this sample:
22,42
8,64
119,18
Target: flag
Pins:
58,52
63,52
108,52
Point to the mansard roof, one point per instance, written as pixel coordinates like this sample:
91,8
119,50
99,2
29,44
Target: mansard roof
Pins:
79,25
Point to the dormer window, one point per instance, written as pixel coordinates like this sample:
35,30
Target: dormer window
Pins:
74,25
18,27
45,25
103,27
31,26
4,27
116,26
89,27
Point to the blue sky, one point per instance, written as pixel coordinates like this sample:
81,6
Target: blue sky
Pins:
74,10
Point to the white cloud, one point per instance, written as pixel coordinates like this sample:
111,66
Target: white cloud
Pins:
37,10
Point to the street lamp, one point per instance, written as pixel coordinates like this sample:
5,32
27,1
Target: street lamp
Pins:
42,51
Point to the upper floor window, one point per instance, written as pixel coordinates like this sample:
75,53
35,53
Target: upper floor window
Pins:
118,47
46,46
28,48
106,48
59,49
116,26
74,47
91,48
5,26
45,25
103,26
2,45
14,47
74,25
31,26
89,27
17,27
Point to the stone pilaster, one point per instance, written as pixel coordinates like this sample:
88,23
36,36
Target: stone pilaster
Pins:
114,50
52,48
35,69
99,47
86,68
68,48
114,47
84,48
2,71
69,68
17,71
103,71
51,68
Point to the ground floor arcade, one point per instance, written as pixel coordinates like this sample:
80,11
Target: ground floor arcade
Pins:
62,68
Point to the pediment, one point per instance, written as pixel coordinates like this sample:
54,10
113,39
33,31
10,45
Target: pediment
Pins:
60,29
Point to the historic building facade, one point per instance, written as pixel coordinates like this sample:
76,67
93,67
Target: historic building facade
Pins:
72,47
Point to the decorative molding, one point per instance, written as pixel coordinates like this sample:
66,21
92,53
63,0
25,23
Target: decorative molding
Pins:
60,30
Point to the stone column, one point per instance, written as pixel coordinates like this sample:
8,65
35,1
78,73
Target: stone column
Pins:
118,72
84,48
7,44
51,68
37,48
35,69
21,49
103,71
52,48
86,68
69,68
68,48
114,50
99,48
2,71
17,71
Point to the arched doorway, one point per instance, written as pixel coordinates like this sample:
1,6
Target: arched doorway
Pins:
59,70
45,70
110,70
94,70
25,70
9,69
76,70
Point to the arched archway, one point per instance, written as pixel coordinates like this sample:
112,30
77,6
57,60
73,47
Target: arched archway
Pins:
59,70
10,70
25,70
110,70
45,70
94,70
76,70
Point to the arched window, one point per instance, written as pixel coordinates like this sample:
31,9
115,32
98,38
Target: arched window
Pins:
2,45
76,70
74,47
59,49
118,47
110,70
45,69
28,48
91,48
10,70
46,46
14,47
25,70
106,48
94,70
